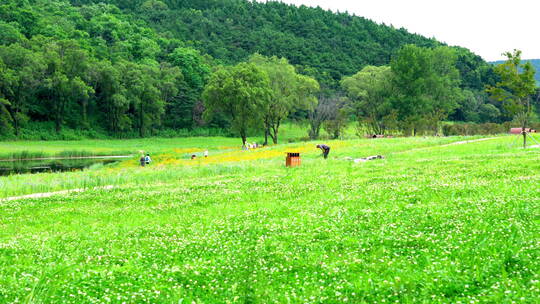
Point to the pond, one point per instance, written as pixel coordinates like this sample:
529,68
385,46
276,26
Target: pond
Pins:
30,166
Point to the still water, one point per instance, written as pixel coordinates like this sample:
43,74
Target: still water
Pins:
50,165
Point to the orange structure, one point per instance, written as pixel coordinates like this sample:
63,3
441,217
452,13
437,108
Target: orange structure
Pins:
293,159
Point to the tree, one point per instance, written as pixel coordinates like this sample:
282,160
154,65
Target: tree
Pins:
337,122
290,91
195,71
328,107
111,95
488,112
21,76
9,33
65,84
427,86
6,129
515,89
239,92
147,103
370,91
6,79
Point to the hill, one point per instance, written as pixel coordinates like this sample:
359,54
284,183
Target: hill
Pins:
321,43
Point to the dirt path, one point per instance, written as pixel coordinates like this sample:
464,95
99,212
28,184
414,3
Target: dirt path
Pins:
448,145
49,194
467,142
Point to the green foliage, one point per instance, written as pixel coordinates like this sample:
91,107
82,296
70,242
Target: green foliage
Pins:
535,63
488,112
427,86
6,129
70,61
468,129
94,67
322,44
290,92
371,92
240,92
195,71
516,86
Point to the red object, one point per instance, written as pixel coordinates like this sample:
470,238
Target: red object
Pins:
520,130
293,159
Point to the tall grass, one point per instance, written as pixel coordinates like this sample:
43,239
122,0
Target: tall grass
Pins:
32,155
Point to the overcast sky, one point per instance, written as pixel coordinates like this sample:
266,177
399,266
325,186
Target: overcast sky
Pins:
487,27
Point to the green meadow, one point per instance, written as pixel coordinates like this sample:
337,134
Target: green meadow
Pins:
438,220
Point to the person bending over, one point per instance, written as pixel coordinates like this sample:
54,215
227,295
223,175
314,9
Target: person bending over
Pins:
325,150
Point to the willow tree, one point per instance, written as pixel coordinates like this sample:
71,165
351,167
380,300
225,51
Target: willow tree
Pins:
290,91
515,89
370,91
239,92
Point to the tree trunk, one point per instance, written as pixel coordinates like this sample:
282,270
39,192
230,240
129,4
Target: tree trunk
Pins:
524,132
16,123
141,121
266,131
244,137
57,124
315,130
58,116
525,123
275,130
84,113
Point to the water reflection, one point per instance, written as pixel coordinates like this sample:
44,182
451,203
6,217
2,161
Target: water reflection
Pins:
55,165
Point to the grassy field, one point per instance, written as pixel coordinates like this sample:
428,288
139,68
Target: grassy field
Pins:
434,222
289,132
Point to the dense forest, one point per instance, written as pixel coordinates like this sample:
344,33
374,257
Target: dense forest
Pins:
135,68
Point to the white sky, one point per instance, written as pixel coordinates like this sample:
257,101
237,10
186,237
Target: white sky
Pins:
486,27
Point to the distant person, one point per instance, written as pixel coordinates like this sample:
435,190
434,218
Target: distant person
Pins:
193,156
142,160
205,153
147,159
325,150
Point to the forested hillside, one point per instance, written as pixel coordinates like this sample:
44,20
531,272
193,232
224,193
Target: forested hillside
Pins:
322,44
130,68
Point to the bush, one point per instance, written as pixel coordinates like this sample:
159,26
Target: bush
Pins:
46,131
465,129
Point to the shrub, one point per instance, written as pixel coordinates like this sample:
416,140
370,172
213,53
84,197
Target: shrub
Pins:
466,129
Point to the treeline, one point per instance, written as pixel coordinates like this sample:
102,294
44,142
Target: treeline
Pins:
422,87
413,95
139,68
